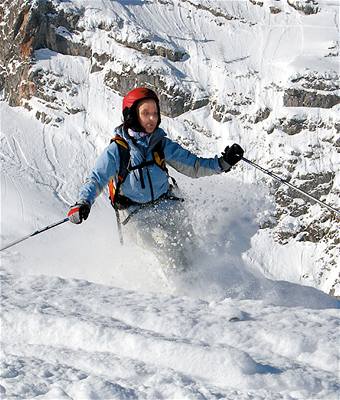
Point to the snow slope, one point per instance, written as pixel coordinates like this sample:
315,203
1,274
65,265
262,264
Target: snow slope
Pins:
66,339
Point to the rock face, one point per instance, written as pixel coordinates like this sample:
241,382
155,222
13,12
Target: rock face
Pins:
15,53
307,98
172,106
29,27
307,7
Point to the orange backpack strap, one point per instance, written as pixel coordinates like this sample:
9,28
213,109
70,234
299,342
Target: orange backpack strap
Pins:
124,155
159,159
158,156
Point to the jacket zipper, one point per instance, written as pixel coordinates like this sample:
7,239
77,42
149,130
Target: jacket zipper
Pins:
150,183
141,176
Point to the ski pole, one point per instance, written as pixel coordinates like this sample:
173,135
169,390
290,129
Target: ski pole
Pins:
119,227
35,233
285,182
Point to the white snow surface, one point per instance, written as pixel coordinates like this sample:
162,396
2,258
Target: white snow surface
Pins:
83,317
73,339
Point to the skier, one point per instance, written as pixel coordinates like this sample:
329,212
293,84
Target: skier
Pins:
134,167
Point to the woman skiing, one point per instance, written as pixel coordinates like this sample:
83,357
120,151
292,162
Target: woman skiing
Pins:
134,166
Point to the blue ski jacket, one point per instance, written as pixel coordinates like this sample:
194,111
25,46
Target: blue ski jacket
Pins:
156,179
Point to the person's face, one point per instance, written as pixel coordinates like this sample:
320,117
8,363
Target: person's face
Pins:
147,113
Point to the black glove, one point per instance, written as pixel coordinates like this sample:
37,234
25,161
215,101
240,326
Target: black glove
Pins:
231,156
79,212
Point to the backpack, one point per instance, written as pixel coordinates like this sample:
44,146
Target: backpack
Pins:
118,201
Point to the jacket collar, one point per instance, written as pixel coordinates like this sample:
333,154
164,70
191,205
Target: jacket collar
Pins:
154,138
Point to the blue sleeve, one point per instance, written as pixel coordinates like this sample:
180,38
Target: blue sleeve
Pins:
106,167
188,163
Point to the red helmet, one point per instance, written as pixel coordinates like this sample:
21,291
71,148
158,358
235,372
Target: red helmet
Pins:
138,94
130,103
